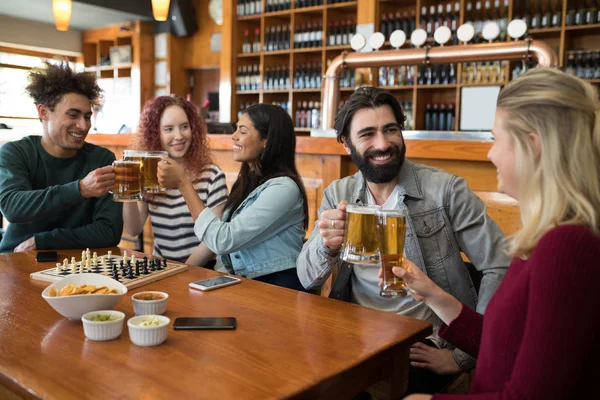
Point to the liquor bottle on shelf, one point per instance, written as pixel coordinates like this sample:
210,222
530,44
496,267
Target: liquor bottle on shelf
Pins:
591,15
536,16
246,45
439,117
584,64
580,13
570,17
546,16
556,10
407,110
256,43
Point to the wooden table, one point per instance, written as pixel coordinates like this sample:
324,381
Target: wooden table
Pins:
287,344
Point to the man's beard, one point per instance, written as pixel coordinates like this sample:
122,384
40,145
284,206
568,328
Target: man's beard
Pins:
379,173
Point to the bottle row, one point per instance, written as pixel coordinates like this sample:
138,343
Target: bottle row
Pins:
309,35
308,76
253,7
403,22
521,67
439,117
396,76
277,38
584,64
248,77
583,13
283,104
248,7
484,73
248,47
430,22
538,15
478,18
439,74
276,78
308,114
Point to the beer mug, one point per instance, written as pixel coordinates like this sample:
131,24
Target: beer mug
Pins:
360,239
391,228
149,168
128,185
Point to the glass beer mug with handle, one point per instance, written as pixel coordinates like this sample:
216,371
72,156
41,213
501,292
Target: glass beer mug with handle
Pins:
128,184
149,168
360,239
391,229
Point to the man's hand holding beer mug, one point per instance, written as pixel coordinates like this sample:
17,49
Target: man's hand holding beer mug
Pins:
332,226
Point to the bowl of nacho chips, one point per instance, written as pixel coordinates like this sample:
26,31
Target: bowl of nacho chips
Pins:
78,294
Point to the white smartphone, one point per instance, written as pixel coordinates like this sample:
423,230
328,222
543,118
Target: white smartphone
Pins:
214,283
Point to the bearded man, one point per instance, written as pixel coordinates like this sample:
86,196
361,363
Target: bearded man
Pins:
444,217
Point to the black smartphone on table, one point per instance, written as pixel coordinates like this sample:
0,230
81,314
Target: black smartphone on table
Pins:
205,323
46,256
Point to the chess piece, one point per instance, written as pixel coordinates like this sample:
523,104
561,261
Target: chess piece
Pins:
137,267
65,264
133,260
164,263
109,256
124,257
153,265
73,261
58,268
145,270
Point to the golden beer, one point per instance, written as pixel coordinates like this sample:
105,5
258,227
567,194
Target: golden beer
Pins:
127,181
360,239
391,228
149,168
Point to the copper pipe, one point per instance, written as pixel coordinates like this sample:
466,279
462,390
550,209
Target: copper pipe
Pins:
436,55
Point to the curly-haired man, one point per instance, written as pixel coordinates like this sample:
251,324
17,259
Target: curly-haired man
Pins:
53,188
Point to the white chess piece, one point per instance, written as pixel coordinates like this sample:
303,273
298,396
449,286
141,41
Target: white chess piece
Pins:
109,255
102,261
133,260
65,264
124,257
58,267
73,261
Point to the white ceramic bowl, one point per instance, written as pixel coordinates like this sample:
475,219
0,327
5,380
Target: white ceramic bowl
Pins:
103,330
73,307
149,307
148,335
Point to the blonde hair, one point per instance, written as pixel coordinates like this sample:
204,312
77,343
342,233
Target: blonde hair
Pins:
562,185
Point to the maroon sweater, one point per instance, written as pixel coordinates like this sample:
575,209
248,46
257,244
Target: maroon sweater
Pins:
540,337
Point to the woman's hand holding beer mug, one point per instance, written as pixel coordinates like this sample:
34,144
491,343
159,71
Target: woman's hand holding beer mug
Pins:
171,174
423,289
332,226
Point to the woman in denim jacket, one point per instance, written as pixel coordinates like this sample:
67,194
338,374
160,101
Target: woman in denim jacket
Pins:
266,215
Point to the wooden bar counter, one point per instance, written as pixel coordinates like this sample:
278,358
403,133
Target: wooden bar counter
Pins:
287,344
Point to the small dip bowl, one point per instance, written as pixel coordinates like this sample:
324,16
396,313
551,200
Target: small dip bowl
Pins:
148,330
149,303
103,325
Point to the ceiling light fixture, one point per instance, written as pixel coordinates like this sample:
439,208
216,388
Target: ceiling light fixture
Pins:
62,14
160,9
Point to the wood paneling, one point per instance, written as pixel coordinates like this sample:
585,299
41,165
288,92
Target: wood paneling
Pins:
197,47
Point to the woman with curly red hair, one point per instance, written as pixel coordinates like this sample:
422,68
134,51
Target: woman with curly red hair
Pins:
172,124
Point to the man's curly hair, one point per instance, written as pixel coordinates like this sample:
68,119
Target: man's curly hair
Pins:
49,83
148,134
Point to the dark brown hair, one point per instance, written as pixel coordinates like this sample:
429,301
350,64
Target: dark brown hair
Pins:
365,97
278,159
49,83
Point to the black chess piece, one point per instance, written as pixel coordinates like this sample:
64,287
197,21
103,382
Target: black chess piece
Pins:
145,270
130,273
153,265
137,267
164,263
115,274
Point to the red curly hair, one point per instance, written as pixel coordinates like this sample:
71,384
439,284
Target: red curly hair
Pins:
148,133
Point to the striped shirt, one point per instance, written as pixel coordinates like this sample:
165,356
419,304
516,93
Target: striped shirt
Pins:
172,223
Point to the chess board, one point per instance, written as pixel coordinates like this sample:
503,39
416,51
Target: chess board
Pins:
52,275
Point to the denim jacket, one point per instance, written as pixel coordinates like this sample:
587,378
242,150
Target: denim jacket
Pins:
444,218
264,234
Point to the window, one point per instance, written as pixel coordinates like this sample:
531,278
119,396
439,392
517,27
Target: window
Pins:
17,110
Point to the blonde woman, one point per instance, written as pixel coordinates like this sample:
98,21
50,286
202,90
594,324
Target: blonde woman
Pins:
539,336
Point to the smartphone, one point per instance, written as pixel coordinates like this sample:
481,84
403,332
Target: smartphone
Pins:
205,323
214,283
46,256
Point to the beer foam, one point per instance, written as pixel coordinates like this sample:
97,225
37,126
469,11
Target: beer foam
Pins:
356,209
